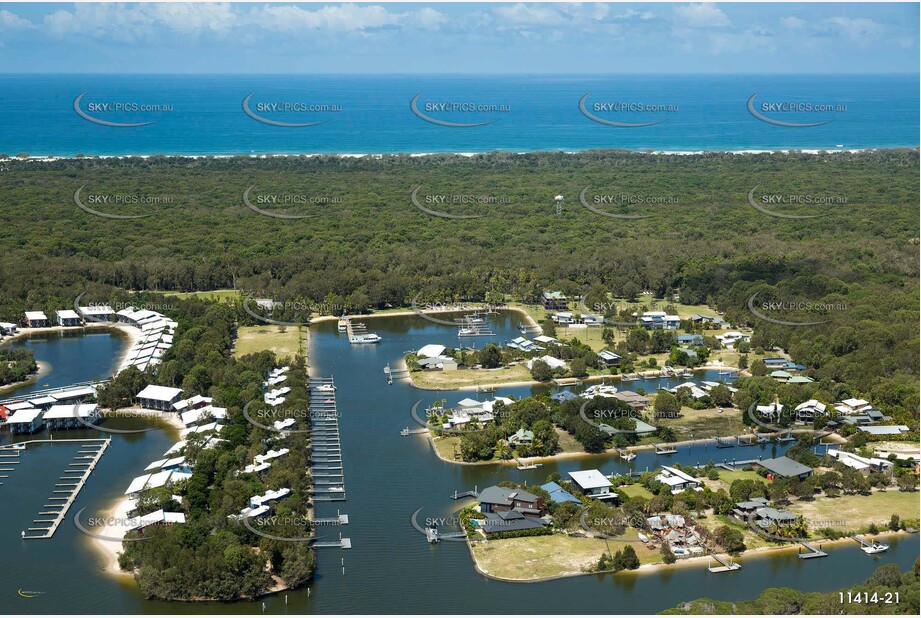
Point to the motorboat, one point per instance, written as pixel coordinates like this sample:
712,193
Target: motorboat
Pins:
874,548
365,338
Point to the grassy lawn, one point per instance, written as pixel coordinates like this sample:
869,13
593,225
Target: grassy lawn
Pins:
470,377
445,447
856,512
635,490
529,558
213,295
568,443
283,340
696,424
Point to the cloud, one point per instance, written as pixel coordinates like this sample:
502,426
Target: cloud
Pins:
702,16
792,23
856,29
10,22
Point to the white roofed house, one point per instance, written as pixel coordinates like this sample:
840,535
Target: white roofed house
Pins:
7,328
431,350
154,397
808,411
97,313
677,480
553,363
68,317
25,420
71,416
864,465
192,403
36,319
593,484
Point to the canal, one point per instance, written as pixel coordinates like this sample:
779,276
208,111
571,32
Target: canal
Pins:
391,568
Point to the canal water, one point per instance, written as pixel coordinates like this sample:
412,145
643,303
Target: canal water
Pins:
391,568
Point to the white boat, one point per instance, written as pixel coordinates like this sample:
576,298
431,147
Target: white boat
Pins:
325,387
343,325
14,447
365,338
874,548
628,456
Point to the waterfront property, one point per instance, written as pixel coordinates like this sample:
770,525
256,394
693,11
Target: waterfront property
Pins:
67,317
593,484
767,517
162,398
784,467
71,416
36,319
496,499
97,313
25,420
558,494
677,480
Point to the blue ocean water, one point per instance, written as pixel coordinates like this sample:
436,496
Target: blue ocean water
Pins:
204,115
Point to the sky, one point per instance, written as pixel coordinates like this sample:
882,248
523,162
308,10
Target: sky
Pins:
451,38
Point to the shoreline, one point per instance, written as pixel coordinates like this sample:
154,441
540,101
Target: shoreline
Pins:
50,158
131,333
659,567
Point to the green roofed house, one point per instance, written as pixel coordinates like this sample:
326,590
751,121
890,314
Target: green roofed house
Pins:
520,437
785,467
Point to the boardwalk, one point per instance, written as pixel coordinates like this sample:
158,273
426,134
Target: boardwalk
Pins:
814,552
83,464
724,564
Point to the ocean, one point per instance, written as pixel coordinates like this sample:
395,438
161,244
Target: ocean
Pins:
362,114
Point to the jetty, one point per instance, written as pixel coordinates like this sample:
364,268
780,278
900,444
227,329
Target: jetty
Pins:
434,536
664,449
745,441
342,543
814,552
325,443
406,431
83,464
458,495
725,443
723,564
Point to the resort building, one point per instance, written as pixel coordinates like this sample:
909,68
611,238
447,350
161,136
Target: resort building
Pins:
36,319
157,518
554,301
71,416
25,420
7,328
864,465
192,403
68,317
97,313
154,397
659,320
593,484
677,480
784,467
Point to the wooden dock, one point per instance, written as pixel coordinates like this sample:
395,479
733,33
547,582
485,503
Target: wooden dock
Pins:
664,450
725,564
325,443
814,552
458,495
61,504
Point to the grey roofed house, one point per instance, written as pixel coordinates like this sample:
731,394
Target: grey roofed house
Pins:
563,396
496,496
753,503
786,467
767,516
509,521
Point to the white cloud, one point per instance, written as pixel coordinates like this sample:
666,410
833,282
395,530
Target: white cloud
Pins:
857,29
702,16
793,23
10,22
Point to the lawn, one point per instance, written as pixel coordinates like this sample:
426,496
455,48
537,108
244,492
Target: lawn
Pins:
709,423
470,377
285,341
445,447
213,295
537,557
635,490
855,512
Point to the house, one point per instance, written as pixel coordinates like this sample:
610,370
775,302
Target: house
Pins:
885,430
563,396
745,509
192,403
554,301
677,480
610,359
154,397
157,518
781,376
694,340
7,328
25,420
68,317
497,499
659,320
544,339
590,319
71,416
634,400
521,437
520,343
808,411
731,338
785,467
593,484
97,313
444,363
553,363
509,521
663,523
707,319
431,350
564,317
852,406
691,354
36,319
695,391
558,494
767,517
864,465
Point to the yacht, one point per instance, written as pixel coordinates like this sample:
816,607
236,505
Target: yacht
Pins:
874,548
343,325
325,388
365,338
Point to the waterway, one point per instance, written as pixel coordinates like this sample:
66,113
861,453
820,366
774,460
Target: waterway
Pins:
390,568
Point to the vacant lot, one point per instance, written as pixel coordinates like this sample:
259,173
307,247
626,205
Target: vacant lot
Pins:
697,424
537,557
470,377
285,341
857,512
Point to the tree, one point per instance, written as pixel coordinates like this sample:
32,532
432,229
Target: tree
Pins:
666,405
721,396
758,368
541,371
577,367
729,538
490,356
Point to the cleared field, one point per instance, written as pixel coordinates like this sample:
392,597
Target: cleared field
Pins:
212,295
709,423
854,512
447,446
537,557
470,377
284,341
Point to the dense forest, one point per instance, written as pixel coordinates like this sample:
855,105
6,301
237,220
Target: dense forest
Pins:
16,365
373,248
885,583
